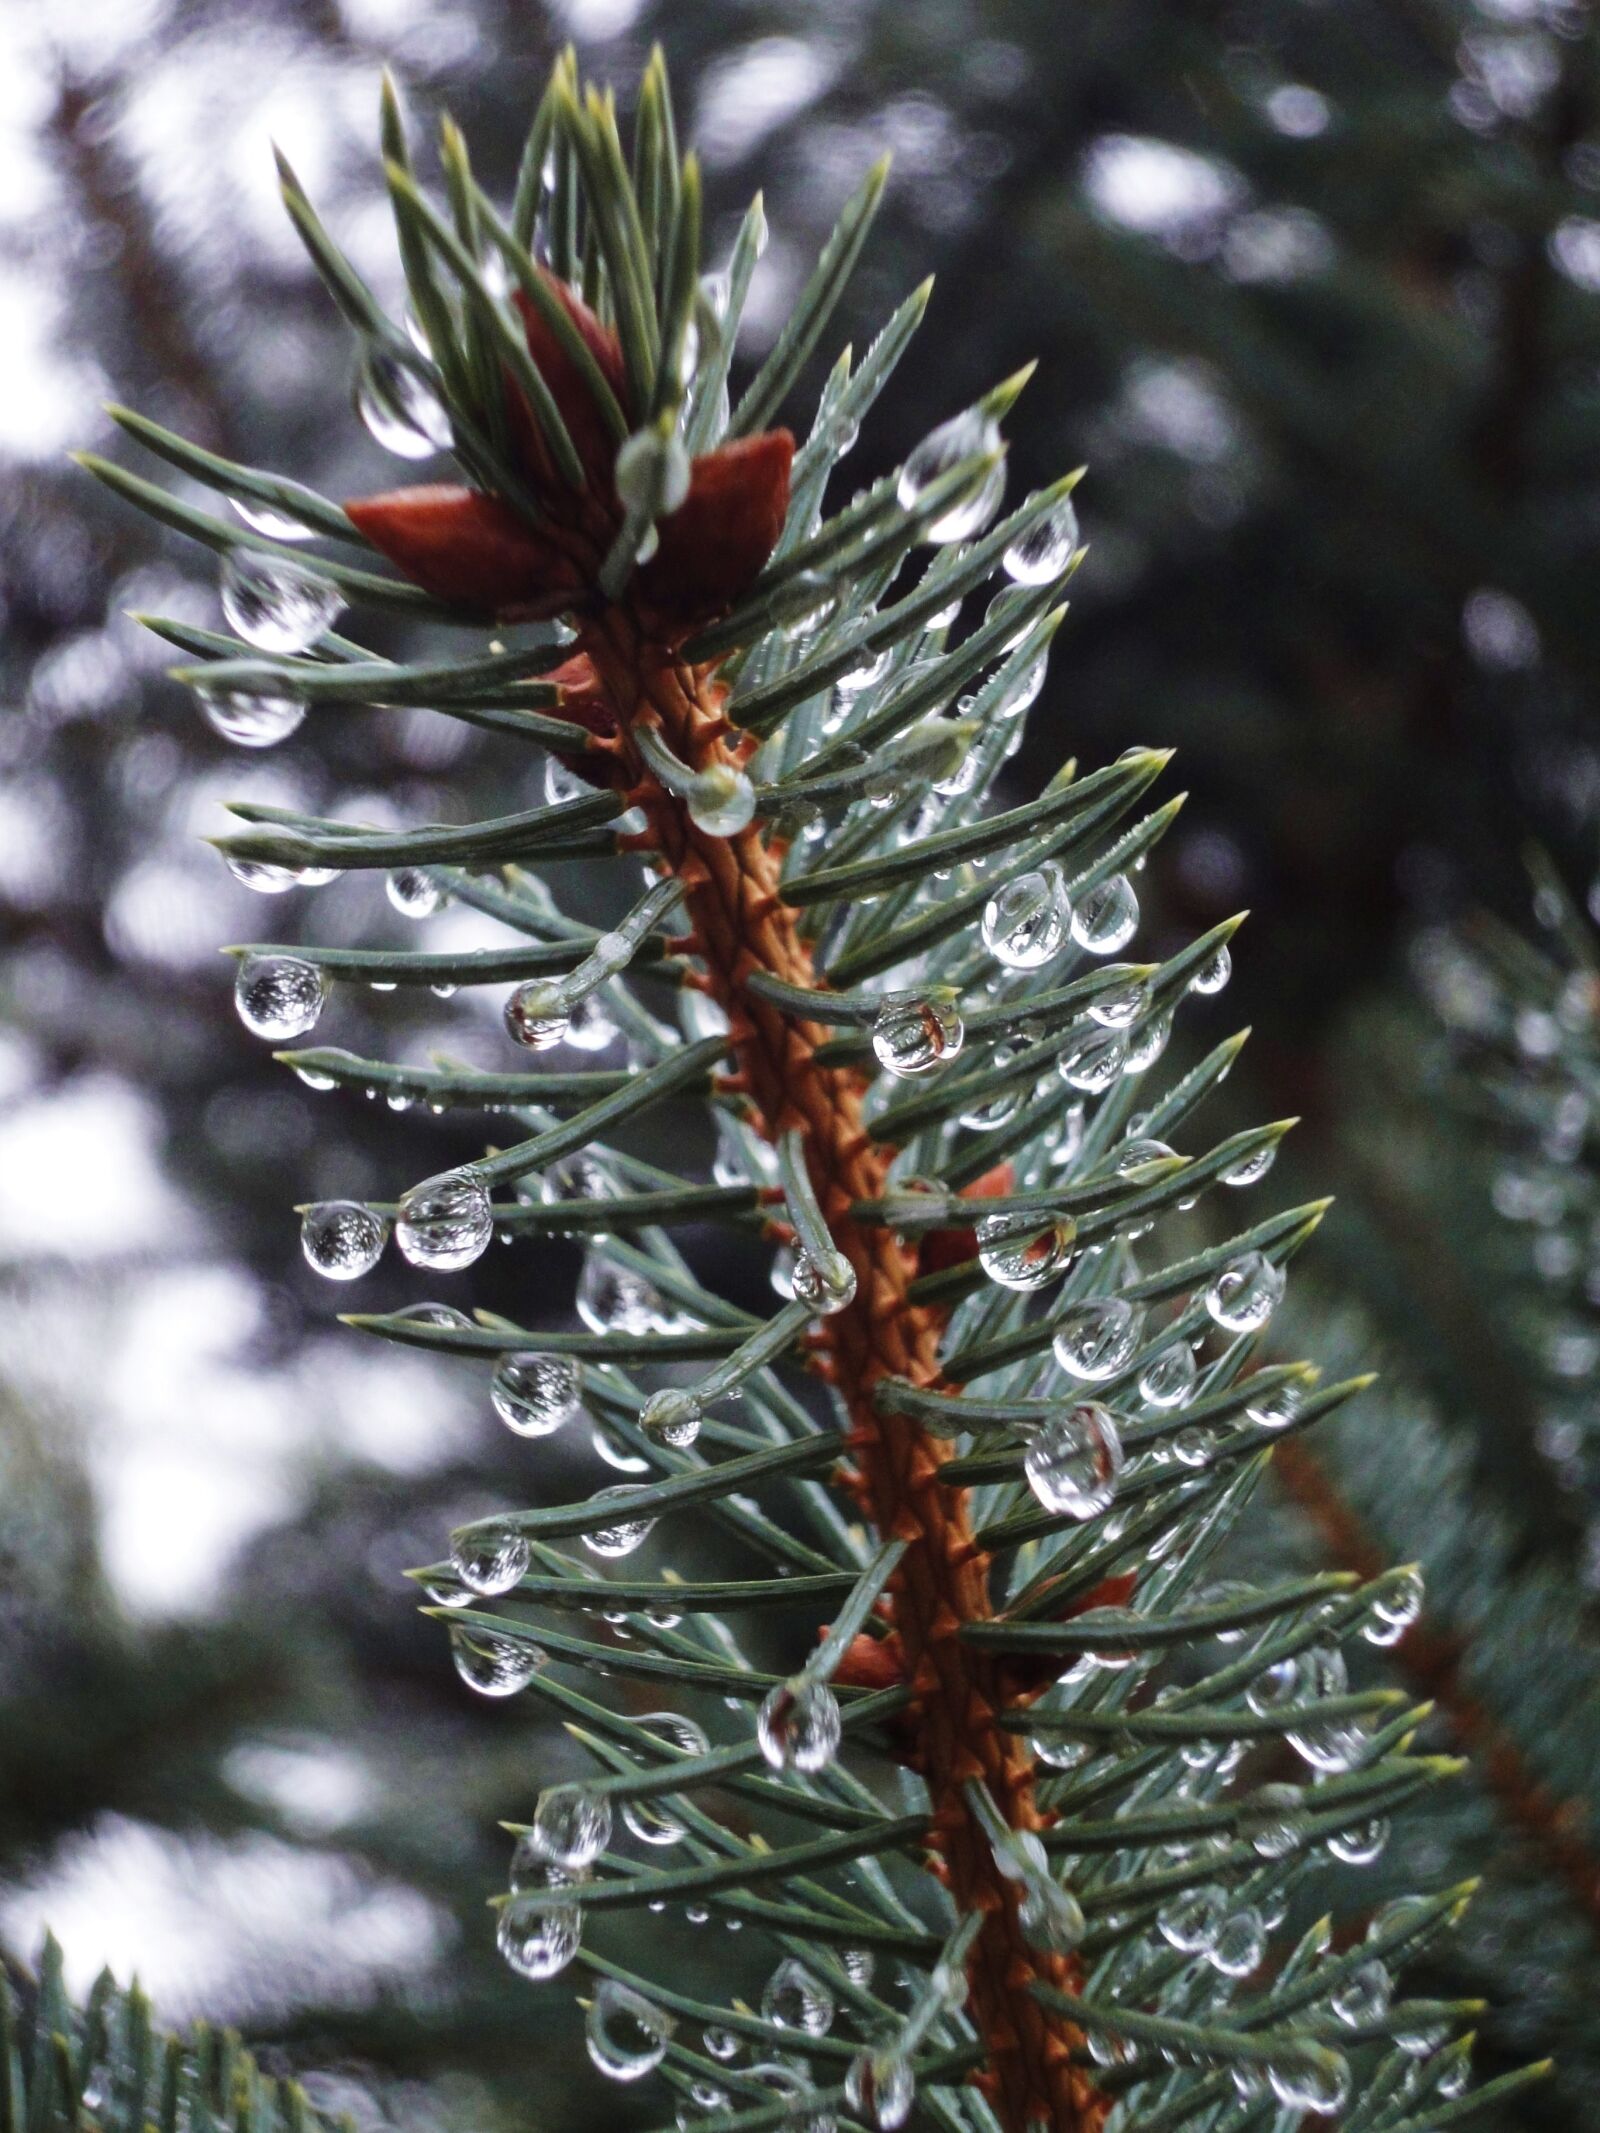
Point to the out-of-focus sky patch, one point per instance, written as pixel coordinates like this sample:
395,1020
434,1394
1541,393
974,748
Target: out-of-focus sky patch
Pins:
80,1175
235,1930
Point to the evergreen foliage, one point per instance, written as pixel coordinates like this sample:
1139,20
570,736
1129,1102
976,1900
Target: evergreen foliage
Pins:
962,1734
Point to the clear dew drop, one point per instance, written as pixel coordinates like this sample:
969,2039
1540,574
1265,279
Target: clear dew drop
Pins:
279,996
493,1665
1213,974
672,1416
858,1965
1310,2078
1363,1996
880,2088
271,521
794,1999
913,1035
265,880
248,719
965,436
1168,1379
1246,1293
538,1014
1074,1462
489,1559
591,1028
1045,549
1191,1921
413,892
571,1824
274,603
827,1284
400,410
1092,1058
445,1222
1276,1406
1395,1607
1106,917
341,1239
1025,1251
1027,921
1147,1042
1123,1001
1360,1842
798,1726
1098,1340
539,1943
1252,1168
619,1535
721,2044
722,801
626,2034
613,1299
534,1394
1239,1943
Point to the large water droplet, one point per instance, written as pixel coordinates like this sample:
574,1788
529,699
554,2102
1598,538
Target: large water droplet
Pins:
247,719
614,1299
1026,922
590,1028
1364,1995
963,437
401,411
798,1726
1073,1463
1023,1250
1097,1340
1191,1921
1239,1943
535,1394
1252,1168
622,1534
1213,974
276,604
672,1416
626,2034
537,1014
342,1239
571,1824
1106,917
1309,2078
722,801
265,880
537,1944
491,1664
413,892
270,520
913,1035
1395,1607
1045,549
880,2088
1246,1293
1123,1001
1276,1406
827,1284
490,1558
794,1999
1168,1379
445,1222
1092,1058
278,996
1360,1842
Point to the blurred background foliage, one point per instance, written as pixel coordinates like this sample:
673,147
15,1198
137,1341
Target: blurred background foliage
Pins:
1315,286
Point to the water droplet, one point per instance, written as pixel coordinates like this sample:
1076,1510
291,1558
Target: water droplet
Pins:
626,2034
279,995
912,1035
858,1965
614,1299
401,411
1277,1405
491,1664
672,1416
789,2083
590,1028
537,1944
1239,1943
827,1284
538,1014
1045,549
435,1314
722,801
873,667
1273,1823
264,879
1246,1293
1123,1001
1364,1995
572,1824
798,1726
247,719
490,1559
445,1222
413,892
1213,974
342,1239
794,1999
965,436
1168,1379
721,2043
1252,1168
621,1535
1026,922
1148,1042
1092,1058
534,1394
880,2088
1072,1465
1098,1340
1191,1921
1106,917
270,520
1023,1250
1395,1607
1361,1842
1310,2078
274,603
